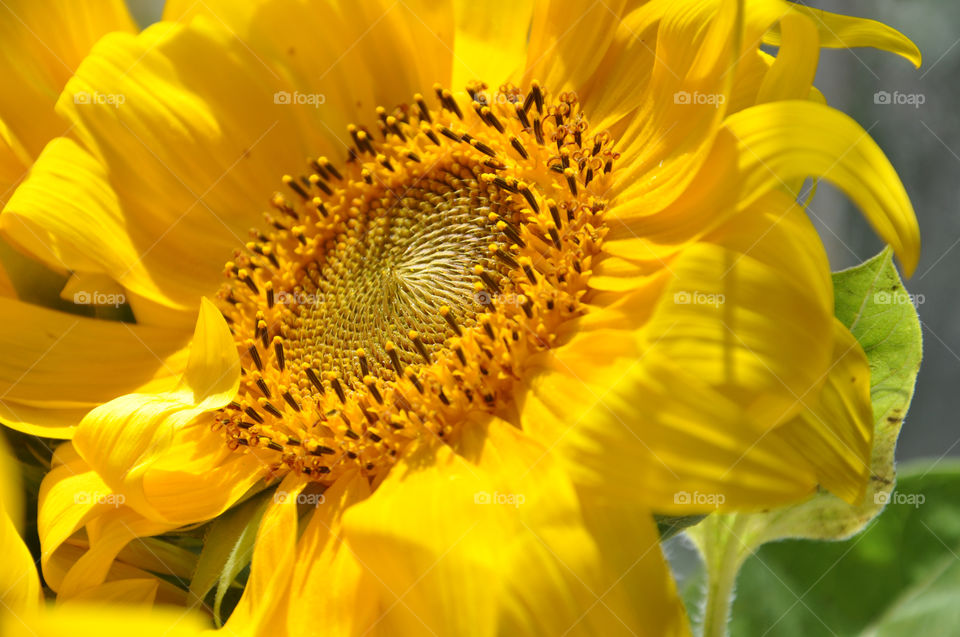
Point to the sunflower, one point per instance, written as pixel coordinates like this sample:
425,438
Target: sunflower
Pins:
43,43
543,273
21,610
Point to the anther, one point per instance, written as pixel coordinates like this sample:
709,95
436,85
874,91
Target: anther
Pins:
278,351
422,105
414,337
330,168
410,374
447,315
270,409
312,377
262,386
287,396
570,174
394,357
295,187
528,195
371,384
554,212
255,355
250,411
517,146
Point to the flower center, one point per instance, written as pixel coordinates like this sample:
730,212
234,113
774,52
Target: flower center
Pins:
395,296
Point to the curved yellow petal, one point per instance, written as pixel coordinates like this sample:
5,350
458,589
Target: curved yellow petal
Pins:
748,310
328,573
844,32
43,43
19,582
56,367
373,52
490,40
567,41
275,551
669,135
172,174
502,526
835,430
644,431
783,141
156,448
792,72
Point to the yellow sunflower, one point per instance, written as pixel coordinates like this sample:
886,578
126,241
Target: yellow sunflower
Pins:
43,43
21,609
545,273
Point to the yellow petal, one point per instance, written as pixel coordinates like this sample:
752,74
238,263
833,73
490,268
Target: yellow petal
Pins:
327,573
842,32
749,308
490,41
641,429
502,527
273,562
181,173
835,430
373,52
669,135
783,141
19,582
100,620
43,42
155,449
56,366
792,72
73,228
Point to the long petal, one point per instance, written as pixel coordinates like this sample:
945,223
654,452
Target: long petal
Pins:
783,141
157,449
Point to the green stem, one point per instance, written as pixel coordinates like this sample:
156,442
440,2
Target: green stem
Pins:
725,556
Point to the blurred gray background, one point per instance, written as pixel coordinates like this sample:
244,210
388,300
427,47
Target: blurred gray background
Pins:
923,143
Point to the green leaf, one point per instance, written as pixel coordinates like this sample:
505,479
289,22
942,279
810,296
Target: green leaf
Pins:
227,550
901,577
871,301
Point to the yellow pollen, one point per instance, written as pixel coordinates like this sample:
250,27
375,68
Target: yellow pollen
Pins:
394,295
